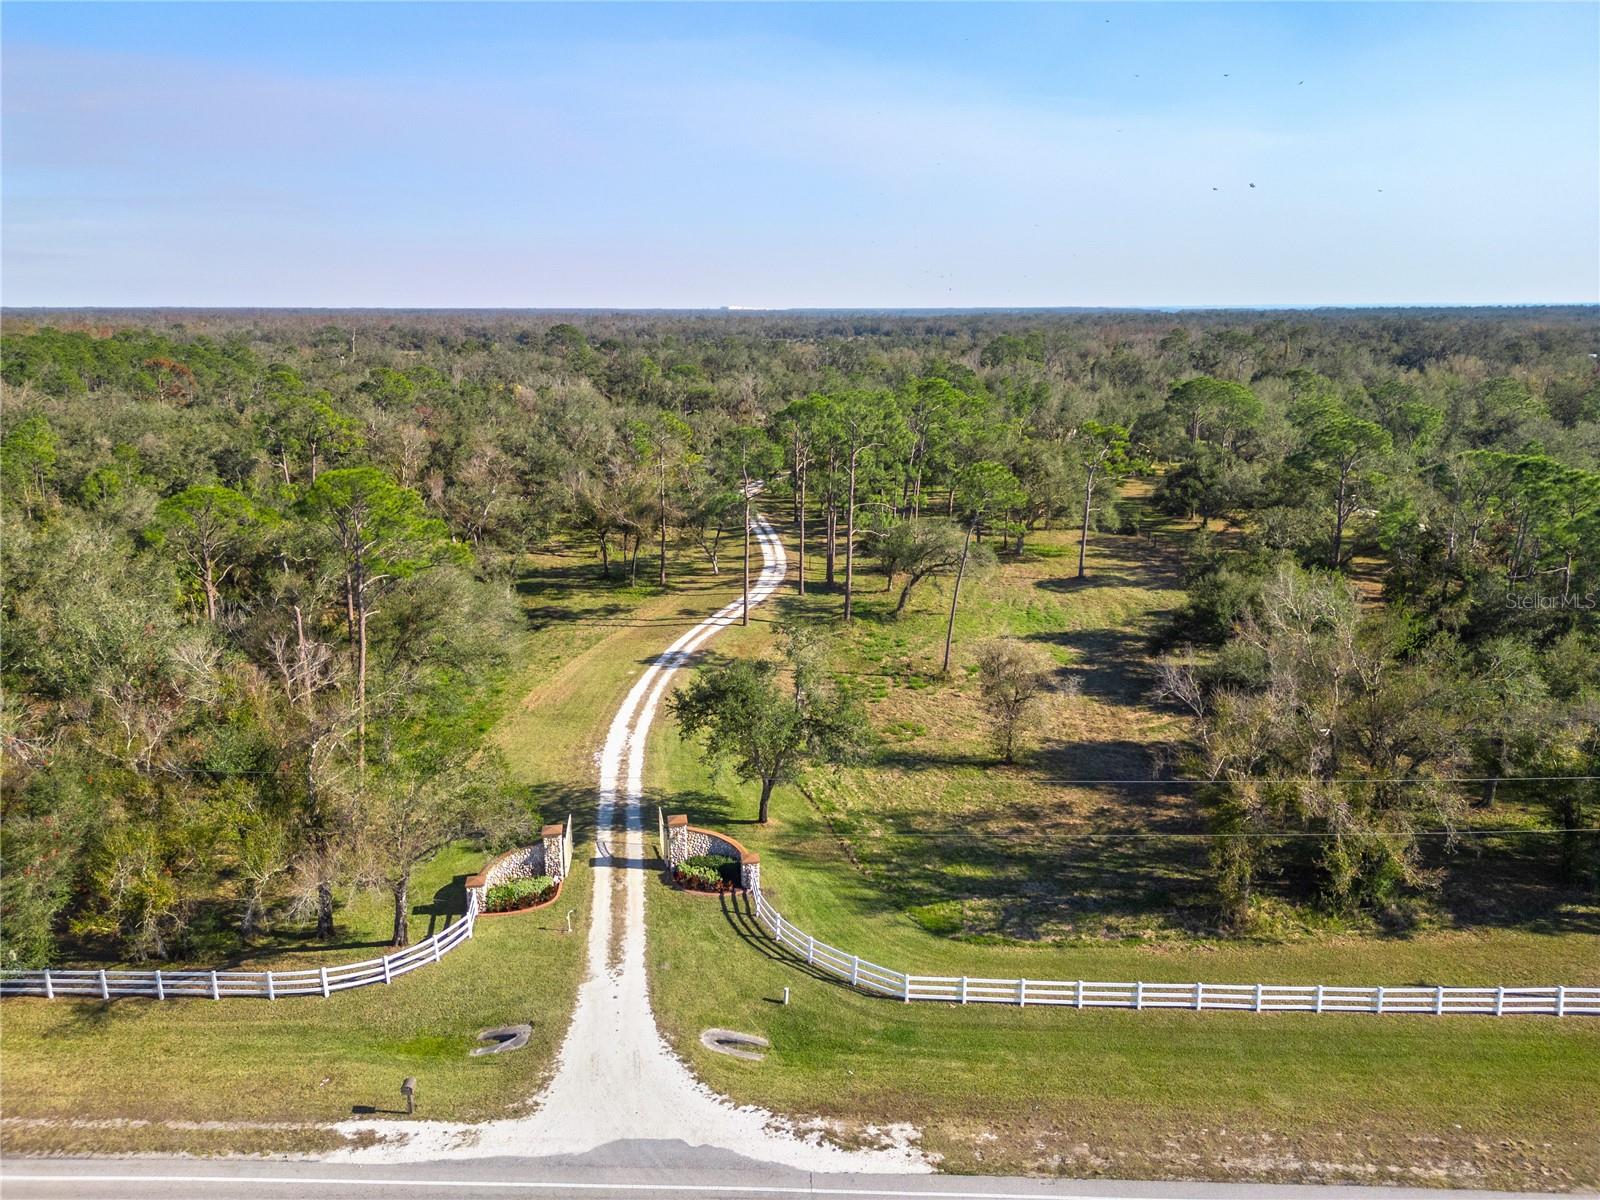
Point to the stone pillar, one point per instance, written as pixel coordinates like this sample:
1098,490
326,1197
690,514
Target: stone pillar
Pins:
750,871
554,838
478,885
677,840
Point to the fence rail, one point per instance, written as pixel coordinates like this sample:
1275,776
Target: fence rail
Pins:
1553,1001
224,985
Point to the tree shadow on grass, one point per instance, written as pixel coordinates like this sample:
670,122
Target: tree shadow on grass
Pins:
448,904
1109,664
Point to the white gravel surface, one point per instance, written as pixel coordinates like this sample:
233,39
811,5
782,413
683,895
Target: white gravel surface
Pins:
616,1079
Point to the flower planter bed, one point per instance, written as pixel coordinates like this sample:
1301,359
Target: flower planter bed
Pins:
545,900
710,874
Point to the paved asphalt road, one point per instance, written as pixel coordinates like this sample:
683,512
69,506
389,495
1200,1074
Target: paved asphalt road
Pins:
667,1172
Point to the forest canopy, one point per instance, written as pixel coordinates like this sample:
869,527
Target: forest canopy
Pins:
258,567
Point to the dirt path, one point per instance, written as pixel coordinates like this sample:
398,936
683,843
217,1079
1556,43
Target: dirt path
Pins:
616,1080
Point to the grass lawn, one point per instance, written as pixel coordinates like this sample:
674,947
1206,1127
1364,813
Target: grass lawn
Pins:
139,1075
297,1062
933,859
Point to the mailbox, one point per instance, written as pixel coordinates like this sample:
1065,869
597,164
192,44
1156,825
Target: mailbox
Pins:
408,1089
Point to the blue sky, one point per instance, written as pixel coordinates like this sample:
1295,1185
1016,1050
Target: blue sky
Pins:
775,155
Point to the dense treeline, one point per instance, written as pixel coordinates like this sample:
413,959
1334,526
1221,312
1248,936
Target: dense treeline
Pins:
257,566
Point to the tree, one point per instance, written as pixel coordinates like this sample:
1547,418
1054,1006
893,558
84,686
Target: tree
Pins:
797,429
28,459
419,801
918,549
663,440
1102,454
208,526
1220,408
746,457
1333,723
983,487
379,534
1337,451
1012,678
745,717
865,421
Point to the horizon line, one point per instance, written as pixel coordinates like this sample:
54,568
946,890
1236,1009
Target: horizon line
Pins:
756,310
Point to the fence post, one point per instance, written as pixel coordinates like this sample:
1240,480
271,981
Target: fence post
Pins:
1317,1007
215,993
1499,1001
272,987
1199,996
963,989
161,988
436,950
1077,994
1258,998
811,949
49,986
324,976
385,961
1379,1000
1138,994
1438,1001
1561,1000
1022,993
855,970
905,984
105,992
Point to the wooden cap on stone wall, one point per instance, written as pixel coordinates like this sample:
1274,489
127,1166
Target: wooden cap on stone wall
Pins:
748,857
476,881
552,831
674,822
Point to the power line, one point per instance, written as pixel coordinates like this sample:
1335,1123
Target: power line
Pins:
1420,833
1375,780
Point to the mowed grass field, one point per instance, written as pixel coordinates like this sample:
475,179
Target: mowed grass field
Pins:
256,1076
935,859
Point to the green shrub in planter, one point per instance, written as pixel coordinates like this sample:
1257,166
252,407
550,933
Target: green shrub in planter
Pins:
708,872
519,893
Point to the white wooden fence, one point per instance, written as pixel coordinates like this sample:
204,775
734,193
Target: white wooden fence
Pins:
223,985
1242,997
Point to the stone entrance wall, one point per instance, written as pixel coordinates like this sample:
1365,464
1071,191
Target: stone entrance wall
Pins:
685,841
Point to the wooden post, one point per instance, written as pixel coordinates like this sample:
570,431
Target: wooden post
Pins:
1077,994
1138,994
1499,1001
811,949
1258,998
1317,1006
1379,1001
905,984
216,994
161,989
49,986
1561,1000
386,976
1022,993
1199,996
1438,1001
272,987
436,951
105,991
963,989
855,970
323,971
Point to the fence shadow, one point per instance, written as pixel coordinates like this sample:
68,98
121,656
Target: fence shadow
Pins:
740,915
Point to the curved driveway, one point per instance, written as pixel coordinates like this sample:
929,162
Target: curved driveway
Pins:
616,1080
